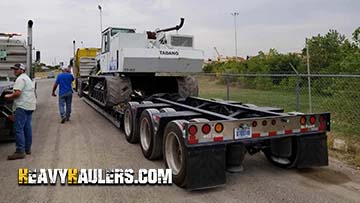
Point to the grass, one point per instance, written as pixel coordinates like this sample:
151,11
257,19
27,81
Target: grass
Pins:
344,119
352,155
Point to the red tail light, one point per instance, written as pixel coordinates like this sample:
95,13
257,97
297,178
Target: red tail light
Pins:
206,128
192,130
322,125
312,120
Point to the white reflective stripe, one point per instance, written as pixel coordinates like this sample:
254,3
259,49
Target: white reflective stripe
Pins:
296,130
264,134
314,129
203,140
210,137
280,132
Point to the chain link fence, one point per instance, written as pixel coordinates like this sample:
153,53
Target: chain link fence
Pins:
337,94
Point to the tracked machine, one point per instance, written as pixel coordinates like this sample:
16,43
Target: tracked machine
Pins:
143,84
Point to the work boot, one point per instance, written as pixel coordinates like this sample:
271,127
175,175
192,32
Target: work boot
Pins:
63,120
67,119
16,155
28,152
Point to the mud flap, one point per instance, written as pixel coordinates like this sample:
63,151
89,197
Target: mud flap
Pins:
6,125
205,167
312,151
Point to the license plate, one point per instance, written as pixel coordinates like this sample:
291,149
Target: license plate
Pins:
241,133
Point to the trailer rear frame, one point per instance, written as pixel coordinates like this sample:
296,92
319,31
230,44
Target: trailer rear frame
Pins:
205,163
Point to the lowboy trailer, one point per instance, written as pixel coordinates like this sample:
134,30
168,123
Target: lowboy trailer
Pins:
142,84
199,139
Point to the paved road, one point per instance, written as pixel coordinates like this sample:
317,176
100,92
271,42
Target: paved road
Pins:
90,141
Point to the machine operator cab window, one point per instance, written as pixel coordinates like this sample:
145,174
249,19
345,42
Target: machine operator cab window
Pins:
105,43
110,32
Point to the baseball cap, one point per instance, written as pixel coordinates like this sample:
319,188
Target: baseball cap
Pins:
18,66
64,67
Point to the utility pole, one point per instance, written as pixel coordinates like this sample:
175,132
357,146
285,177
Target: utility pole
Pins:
100,9
297,88
235,14
29,68
308,71
74,48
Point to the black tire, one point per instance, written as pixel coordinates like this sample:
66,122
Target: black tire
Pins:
131,131
79,86
287,162
173,146
150,143
118,90
187,86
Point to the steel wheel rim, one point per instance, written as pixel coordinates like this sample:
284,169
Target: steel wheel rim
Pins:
145,135
173,153
282,161
127,122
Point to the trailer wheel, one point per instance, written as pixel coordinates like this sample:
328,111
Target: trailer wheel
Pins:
187,86
175,151
130,130
150,143
287,161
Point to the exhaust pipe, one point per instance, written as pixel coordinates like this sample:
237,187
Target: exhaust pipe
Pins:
29,70
178,27
73,65
74,48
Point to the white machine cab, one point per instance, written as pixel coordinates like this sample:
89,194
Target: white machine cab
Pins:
123,50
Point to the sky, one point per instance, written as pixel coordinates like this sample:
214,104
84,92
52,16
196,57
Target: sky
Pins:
261,24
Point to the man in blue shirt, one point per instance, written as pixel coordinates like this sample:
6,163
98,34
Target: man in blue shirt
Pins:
64,81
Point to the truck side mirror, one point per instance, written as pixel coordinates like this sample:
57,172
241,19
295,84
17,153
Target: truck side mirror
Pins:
71,62
37,58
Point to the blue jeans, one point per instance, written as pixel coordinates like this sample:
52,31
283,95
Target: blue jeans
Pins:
65,100
23,130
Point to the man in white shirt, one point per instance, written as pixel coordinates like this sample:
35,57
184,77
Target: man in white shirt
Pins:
24,105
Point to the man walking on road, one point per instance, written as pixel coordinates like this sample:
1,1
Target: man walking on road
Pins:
24,105
64,81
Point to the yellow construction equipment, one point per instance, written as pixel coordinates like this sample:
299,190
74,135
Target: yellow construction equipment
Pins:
84,61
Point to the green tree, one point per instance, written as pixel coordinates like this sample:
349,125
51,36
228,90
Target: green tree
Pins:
356,36
326,52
